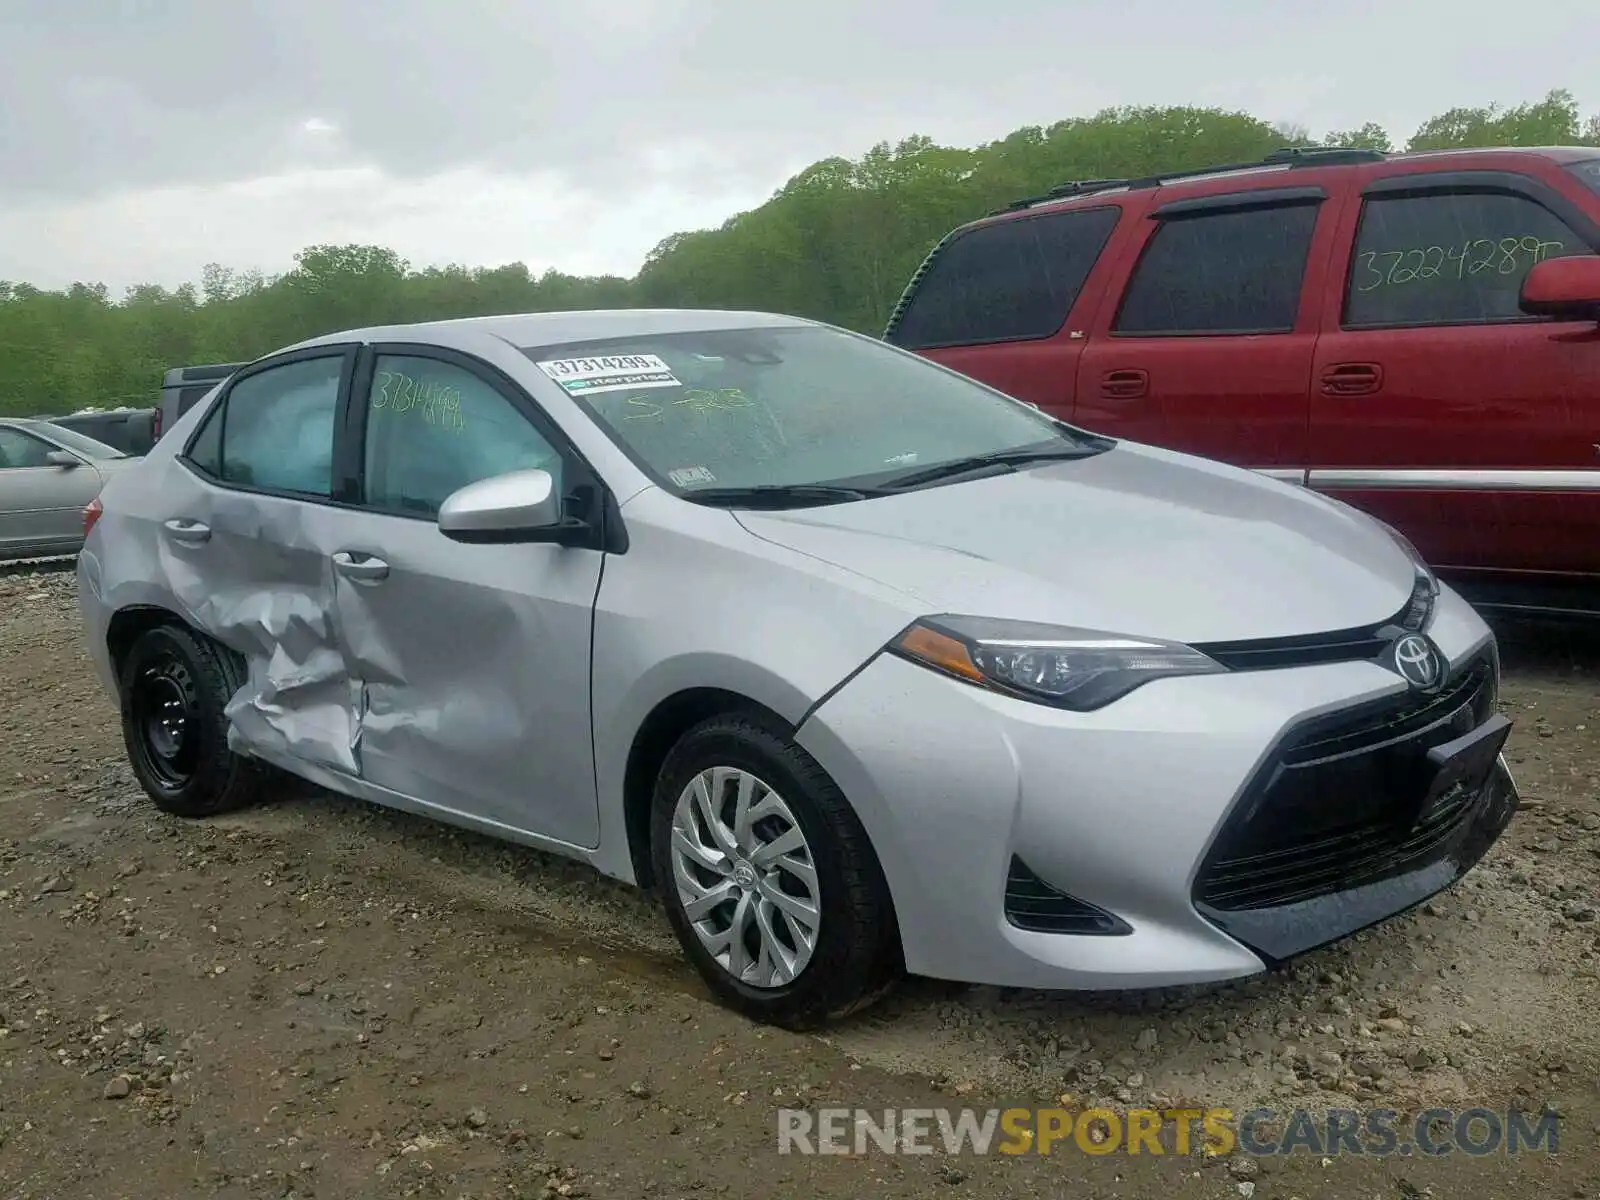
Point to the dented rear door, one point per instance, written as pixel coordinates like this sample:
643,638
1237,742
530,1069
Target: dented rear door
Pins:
242,531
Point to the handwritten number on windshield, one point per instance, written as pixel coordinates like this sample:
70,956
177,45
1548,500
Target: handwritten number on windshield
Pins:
1498,256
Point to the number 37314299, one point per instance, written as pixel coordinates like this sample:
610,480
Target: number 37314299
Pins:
1497,256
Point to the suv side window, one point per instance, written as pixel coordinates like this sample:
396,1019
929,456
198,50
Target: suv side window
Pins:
273,431
433,427
1010,281
1449,257
1214,272
18,449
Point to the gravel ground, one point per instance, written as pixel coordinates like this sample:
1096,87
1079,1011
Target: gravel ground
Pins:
317,998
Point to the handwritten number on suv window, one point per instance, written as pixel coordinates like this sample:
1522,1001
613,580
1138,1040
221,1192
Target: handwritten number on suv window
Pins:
1503,256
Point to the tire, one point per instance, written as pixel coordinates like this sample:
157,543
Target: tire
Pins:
855,956
193,774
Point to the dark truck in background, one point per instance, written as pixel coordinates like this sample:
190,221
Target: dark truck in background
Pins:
131,430
184,387
135,430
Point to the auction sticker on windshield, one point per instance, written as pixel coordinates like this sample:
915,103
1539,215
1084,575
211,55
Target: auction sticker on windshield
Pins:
609,373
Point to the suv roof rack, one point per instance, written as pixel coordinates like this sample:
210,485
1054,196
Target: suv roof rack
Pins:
1290,156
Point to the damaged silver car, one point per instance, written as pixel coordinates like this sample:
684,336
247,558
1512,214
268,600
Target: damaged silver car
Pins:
863,665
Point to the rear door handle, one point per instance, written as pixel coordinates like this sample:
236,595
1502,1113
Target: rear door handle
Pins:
190,533
1127,384
1352,379
353,564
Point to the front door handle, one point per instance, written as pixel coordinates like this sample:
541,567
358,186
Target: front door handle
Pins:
1127,384
190,533
353,564
1352,379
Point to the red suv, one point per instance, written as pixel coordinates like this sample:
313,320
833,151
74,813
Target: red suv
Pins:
1416,334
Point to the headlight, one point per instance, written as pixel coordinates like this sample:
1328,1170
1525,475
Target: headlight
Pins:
1078,669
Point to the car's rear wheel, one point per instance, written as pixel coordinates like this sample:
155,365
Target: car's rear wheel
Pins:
174,686
768,877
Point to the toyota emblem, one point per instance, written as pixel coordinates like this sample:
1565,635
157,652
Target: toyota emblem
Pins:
1417,661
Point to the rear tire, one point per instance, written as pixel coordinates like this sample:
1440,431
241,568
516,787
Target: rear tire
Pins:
792,922
174,686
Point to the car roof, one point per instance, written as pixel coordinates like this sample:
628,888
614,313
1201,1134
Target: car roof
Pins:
526,330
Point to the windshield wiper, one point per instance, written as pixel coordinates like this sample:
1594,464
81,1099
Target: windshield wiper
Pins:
778,495
1003,459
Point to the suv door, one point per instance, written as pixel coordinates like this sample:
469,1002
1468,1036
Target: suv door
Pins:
472,661
1209,348
1439,406
41,503
242,526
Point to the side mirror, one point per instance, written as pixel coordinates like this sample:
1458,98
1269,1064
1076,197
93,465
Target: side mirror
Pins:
1567,289
63,458
520,506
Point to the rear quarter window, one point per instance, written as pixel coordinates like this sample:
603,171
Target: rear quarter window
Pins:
1011,281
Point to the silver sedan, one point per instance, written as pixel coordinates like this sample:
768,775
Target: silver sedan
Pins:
48,475
864,666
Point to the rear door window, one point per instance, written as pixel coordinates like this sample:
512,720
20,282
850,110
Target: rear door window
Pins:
1233,271
1449,257
273,430
1010,281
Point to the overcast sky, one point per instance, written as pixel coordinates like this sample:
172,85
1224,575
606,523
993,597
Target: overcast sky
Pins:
141,139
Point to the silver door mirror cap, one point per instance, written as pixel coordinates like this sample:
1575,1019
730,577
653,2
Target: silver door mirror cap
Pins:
514,507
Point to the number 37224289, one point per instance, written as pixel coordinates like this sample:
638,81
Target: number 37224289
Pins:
1498,256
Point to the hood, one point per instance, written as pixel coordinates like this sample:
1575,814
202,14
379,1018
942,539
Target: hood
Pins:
1136,541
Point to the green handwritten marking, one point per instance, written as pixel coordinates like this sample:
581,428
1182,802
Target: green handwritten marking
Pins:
699,400
1498,256
438,403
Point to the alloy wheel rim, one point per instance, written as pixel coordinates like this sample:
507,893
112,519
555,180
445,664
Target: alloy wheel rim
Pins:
745,877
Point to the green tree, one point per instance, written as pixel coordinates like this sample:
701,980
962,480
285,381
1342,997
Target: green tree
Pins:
837,242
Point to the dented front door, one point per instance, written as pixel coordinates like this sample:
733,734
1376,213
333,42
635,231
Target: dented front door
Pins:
472,660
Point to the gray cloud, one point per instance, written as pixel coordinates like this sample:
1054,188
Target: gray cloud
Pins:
102,96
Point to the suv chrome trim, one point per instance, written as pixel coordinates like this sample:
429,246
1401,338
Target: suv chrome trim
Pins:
1456,480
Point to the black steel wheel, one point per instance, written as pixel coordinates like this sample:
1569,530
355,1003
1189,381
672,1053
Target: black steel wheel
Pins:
175,686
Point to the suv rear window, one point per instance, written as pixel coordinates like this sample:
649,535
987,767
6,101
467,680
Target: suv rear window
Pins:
1010,281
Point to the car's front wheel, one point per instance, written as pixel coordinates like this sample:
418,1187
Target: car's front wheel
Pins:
174,685
768,877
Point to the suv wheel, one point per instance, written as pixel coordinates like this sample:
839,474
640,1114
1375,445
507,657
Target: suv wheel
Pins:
174,685
768,878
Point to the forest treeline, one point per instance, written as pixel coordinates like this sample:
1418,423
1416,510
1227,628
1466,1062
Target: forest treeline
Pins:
837,242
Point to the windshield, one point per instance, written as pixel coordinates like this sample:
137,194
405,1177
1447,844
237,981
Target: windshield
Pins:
1588,171
787,407
75,441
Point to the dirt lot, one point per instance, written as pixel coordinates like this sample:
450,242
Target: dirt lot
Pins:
322,999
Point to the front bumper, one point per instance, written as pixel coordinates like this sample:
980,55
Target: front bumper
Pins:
1166,811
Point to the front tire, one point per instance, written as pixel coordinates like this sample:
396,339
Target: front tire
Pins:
768,878
174,686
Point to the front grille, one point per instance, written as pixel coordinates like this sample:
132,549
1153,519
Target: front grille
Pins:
1031,903
1336,806
1364,643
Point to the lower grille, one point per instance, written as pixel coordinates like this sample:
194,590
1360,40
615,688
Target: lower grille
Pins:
1031,903
1337,806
